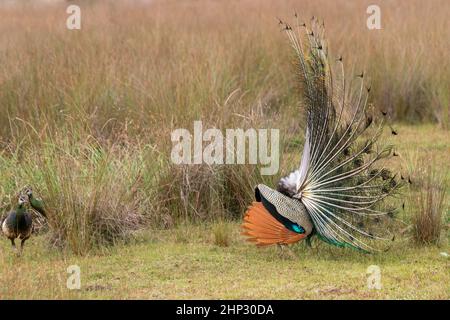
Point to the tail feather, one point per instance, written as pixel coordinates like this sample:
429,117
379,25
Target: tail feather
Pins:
263,229
342,179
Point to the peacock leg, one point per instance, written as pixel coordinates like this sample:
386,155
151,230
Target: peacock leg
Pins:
285,251
290,252
280,248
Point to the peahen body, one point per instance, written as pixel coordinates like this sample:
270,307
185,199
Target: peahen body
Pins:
337,192
18,223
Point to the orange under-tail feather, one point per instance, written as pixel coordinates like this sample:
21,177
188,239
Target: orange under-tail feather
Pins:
263,229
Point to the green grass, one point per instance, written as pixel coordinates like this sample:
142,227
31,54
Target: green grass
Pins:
188,261
159,266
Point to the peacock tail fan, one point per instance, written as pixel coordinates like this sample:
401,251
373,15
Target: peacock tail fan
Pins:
344,177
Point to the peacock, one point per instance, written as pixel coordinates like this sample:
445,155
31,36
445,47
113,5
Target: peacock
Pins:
338,192
18,223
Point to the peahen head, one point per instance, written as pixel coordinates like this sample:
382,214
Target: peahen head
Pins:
28,191
23,199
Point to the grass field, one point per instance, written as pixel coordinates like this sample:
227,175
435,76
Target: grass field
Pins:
187,262
87,115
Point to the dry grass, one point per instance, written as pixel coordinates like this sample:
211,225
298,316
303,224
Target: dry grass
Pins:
143,64
428,216
222,234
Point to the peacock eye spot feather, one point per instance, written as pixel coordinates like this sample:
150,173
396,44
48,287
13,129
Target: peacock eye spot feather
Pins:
358,162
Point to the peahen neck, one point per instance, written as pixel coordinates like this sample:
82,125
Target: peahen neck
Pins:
20,210
37,204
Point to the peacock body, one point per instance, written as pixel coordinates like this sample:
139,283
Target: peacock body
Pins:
337,193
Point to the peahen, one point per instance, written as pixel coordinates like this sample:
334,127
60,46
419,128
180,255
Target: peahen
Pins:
36,203
337,192
18,223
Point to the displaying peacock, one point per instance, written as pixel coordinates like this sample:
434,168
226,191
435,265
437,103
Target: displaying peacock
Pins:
18,223
338,191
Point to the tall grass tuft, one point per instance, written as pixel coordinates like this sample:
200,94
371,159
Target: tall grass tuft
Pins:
95,194
206,193
429,209
222,234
